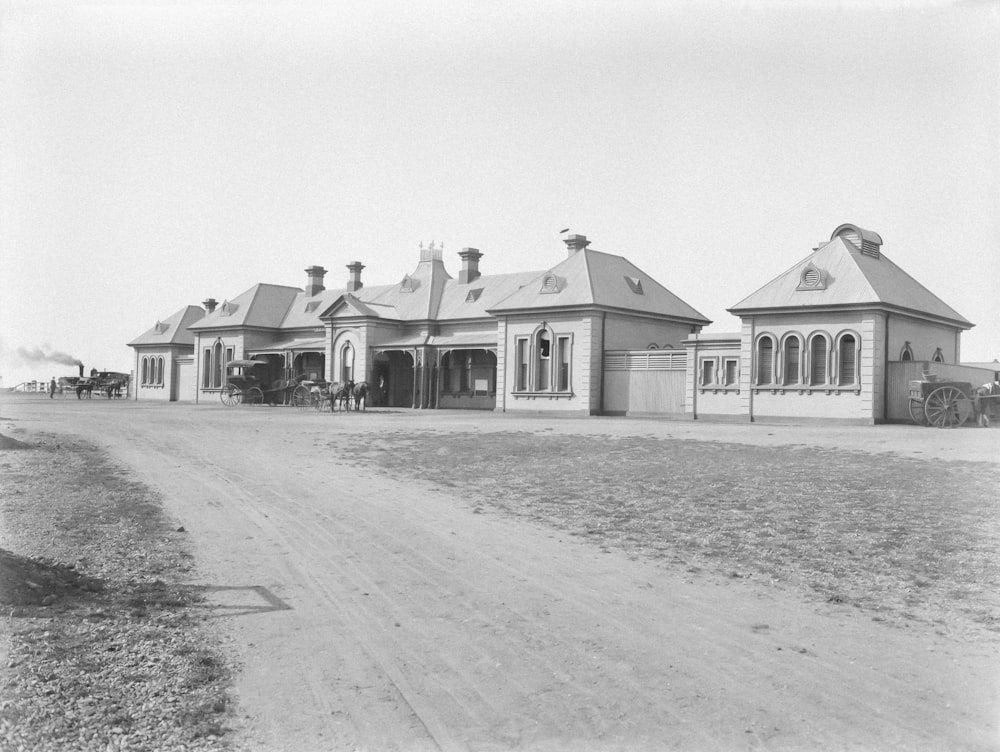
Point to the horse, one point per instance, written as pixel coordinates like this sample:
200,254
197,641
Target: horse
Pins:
360,394
341,393
985,401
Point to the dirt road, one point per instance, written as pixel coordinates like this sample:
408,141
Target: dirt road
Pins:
376,614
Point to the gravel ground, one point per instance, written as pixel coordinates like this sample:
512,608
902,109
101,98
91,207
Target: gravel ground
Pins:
104,646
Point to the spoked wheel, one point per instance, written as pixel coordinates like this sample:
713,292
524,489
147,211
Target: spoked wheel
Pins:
947,407
301,396
917,412
231,396
254,396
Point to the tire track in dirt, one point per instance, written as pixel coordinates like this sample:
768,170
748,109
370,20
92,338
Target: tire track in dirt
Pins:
675,665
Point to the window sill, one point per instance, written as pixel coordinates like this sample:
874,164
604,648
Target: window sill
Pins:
542,395
718,389
807,389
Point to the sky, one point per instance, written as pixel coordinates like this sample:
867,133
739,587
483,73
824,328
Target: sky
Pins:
155,154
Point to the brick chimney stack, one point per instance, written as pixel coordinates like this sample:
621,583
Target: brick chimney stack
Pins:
314,285
470,265
354,282
210,304
576,243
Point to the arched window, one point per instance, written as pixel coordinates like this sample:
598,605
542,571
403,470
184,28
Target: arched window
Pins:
907,353
159,371
145,370
765,360
793,350
938,356
218,367
848,359
818,351
543,353
347,362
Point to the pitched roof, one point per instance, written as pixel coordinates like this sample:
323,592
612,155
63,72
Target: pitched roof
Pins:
841,274
263,305
593,278
172,330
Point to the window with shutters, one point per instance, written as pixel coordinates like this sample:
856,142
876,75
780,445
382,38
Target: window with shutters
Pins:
765,360
818,355
792,360
847,352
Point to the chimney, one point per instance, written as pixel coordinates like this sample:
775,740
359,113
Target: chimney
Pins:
576,243
470,265
209,304
354,282
314,286
81,368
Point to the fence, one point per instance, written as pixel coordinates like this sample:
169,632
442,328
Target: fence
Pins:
644,381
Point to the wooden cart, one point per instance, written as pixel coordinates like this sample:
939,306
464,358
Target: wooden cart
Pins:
948,404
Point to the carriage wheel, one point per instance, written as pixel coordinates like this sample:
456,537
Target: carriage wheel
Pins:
231,395
947,407
301,396
917,412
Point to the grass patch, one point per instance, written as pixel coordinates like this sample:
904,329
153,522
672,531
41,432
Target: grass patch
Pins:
907,539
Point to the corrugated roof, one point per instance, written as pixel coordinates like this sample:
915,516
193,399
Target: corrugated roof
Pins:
475,298
263,305
848,278
593,278
172,330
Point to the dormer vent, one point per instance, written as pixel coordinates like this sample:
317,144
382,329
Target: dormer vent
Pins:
634,284
409,284
551,284
866,241
812,278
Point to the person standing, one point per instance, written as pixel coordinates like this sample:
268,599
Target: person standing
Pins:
52,388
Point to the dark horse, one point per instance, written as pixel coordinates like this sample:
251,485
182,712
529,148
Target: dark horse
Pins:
341,393
360,394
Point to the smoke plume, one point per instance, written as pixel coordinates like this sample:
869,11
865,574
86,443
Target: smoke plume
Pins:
39,355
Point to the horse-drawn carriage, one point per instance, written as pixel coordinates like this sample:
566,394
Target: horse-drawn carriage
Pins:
245,386
323,395
111,384
949,404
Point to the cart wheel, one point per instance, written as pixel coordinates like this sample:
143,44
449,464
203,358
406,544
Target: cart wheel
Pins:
947,407
231,396
917,412
254,396
300,396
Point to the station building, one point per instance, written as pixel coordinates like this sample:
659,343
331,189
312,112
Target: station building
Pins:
834,337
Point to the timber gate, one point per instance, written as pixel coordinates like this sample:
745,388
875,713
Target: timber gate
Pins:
644,382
